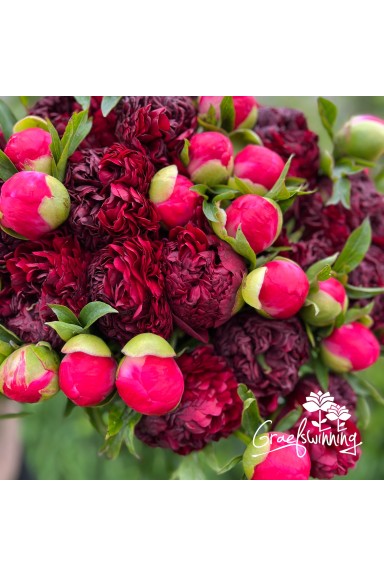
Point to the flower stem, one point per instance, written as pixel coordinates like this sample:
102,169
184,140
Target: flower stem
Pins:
242,436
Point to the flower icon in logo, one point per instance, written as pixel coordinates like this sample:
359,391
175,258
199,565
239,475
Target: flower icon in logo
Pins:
320,402
338,413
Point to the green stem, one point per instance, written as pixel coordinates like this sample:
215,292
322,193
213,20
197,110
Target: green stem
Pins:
242,436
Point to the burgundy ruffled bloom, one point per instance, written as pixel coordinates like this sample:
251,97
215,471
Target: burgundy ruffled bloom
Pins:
286,132
210,408
127,275
157,125
203,276
59,109
52,270
108,189
264,354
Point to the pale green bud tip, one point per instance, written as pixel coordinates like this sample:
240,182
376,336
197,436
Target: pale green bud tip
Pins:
255,453
212,173
87,343
30,122
334,362
320,309
55,209
252,286
148,345
162,184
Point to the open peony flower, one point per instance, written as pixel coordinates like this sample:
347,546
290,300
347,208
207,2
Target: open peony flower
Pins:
108,189
157,125
286,132
264,354
203,276
127,276
53,270
210,408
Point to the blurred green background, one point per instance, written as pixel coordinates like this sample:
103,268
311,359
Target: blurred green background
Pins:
67,448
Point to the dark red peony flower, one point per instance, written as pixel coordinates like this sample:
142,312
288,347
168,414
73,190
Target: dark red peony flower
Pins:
108,195
202,276
158,125
59,109
264,354
286,132
52,270
127,275
210,408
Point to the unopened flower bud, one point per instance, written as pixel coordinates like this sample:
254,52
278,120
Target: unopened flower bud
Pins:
30,150
30,374
258,167
33,204
325,303
350,347
148,378
175,202
211,158
361,137
260,220
276,456
276,290
87,372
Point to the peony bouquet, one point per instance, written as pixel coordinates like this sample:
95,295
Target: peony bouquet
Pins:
189,269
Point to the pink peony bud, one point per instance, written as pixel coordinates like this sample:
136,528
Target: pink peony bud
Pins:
362,137
210,158
350,347
245,109
30,150
276,456
32,204
148,378
175,202
259,167
327,302
30,374
260,220
277,290
87,372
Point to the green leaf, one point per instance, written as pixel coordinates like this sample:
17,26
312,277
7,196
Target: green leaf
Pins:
211,117
321,372
363,412
241,245
55,144
24,101
115,420
326,163
184,154
8,336
242,186
201,189
341,192
328,114
111,448
355,249
96,419
227,113
7,168
211,211
77,129
64,314
84,101
129,432
288,420
251,418
108,103
189,469
316,268
357,292
354,314
242,137
12,415
7,119
211,460
93,311
279,187
358,382
64,330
